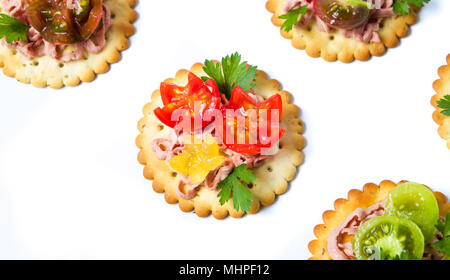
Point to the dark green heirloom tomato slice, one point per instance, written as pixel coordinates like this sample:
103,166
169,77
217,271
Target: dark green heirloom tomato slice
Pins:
82,12
53,20
60,24
417,203
347,14
390,236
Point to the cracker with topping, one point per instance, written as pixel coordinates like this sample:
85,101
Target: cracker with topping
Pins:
272,178
46,71
442,88
334,46
370,195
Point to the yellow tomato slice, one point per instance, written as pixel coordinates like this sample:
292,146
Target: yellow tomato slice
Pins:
198,159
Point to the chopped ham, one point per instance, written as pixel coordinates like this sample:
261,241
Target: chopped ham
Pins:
165,149
216,176
191,191
343,251
295,4
238,159
36,46
367,33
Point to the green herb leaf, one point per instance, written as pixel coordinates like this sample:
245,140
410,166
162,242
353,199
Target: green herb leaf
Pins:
12,29
234,186
443,246
292,18
401,6
444,104
444,227
231,73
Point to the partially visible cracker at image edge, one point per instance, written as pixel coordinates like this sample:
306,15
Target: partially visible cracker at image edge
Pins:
272,177
442,88
334,46
370,195
46,71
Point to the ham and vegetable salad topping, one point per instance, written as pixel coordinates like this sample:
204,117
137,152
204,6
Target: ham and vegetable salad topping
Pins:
406,226
358,19
219,130
61,29
184,106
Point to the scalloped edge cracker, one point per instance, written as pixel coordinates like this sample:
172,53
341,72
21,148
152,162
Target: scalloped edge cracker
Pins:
272,177
370,195
46,71
334,46
442,88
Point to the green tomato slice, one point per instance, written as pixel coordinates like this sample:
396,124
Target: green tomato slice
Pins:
388,238
417,203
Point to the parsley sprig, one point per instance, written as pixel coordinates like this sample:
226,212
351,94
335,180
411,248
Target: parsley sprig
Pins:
12,29
444,245
401,6
444,104
234,186
231,73
292,18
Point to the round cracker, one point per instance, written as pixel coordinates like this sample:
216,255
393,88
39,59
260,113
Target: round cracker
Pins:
442,88
334,46
46,71
271,178
370,195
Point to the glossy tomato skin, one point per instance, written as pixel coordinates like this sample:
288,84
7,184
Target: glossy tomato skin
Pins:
194,82
273,102
417,203
52,20
273,105
88,27
167,92
241,99
341,15
256,149
181,104
59,24
81,13
238,107
164,117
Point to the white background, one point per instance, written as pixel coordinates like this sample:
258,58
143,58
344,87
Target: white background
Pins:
71,187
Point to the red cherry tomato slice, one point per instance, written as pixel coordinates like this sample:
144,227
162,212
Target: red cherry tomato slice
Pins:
267,108
164,116
60,24
183,106
273,105
341,15
249,132
240,99
262,143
